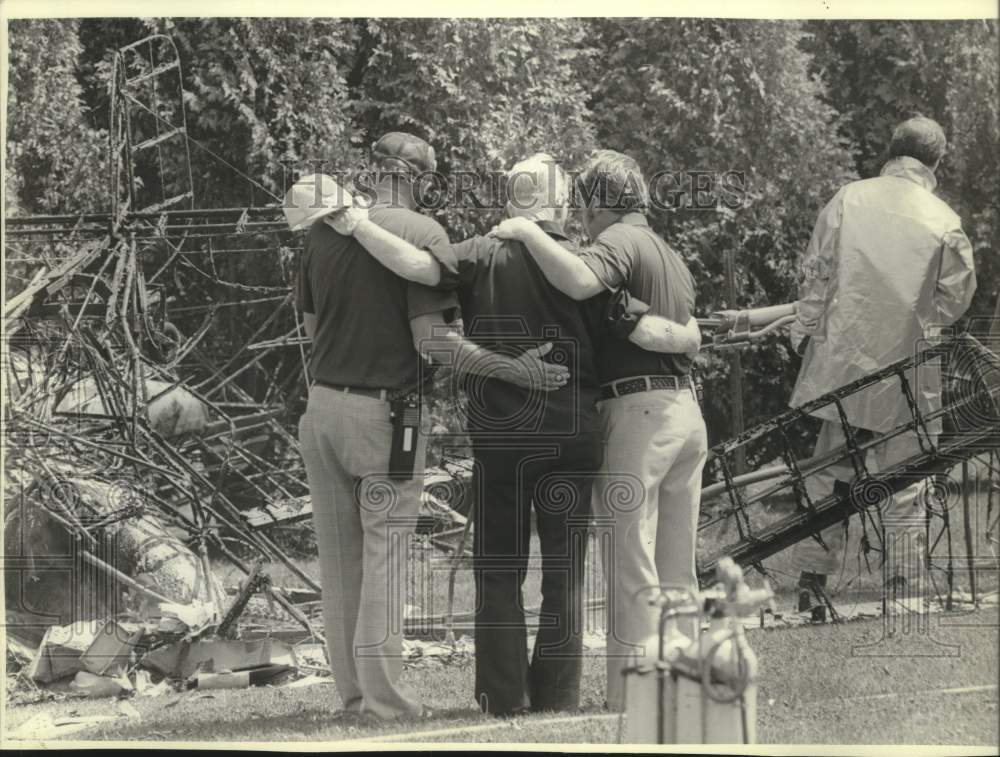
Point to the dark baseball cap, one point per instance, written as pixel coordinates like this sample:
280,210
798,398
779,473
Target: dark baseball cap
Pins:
413,151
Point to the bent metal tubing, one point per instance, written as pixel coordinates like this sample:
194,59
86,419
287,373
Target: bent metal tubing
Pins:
953,447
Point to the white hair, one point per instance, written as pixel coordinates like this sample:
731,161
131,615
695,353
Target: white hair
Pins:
538,189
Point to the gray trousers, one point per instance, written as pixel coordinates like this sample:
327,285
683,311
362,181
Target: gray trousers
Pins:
363,521
902,515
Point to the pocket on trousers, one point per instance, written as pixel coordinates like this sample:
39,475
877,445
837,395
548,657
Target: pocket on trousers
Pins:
645,412
366,449
305,430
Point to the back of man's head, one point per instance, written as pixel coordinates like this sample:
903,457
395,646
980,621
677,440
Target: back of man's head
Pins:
612,181
538,189
406,153
921,138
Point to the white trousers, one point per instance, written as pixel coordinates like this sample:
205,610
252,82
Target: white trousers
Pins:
647,496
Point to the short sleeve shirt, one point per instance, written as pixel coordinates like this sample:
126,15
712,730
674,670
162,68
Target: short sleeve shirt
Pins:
629,253
508,306
363,310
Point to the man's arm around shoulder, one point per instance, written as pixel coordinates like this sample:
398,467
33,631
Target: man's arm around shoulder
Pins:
401,257
564,270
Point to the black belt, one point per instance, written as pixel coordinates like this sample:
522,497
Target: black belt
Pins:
380,394
635,384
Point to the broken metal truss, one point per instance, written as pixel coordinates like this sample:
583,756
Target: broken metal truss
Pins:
116,380
970,417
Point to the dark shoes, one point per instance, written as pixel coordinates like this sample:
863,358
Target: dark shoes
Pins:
896,584
811,584
805,601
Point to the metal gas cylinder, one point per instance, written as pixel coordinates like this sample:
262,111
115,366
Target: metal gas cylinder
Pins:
698,691
716,687
649,683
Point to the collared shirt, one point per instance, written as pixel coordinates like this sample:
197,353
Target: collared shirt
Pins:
509,306
630,253
362,309
887,263
906,167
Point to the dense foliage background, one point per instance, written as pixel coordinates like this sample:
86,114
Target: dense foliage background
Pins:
797,108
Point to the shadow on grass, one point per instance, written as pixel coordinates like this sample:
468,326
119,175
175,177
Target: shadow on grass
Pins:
311,723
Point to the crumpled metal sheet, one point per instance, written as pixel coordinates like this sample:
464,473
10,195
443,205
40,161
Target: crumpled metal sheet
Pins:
139,546
183,659
173,410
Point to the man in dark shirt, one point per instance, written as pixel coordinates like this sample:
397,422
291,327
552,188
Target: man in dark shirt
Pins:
531,449
367,326
629,253
654,432
364,338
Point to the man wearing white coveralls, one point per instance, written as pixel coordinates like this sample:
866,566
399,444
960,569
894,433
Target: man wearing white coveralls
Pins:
887,264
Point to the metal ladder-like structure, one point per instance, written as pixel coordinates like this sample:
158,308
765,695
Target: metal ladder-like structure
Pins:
969,417
100,308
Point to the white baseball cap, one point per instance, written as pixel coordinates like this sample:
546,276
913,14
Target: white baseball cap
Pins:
312,197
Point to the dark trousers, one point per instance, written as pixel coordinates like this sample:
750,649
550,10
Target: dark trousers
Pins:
555,477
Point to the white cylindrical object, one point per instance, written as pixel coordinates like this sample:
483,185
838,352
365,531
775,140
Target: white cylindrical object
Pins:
650,696
642,700
731,674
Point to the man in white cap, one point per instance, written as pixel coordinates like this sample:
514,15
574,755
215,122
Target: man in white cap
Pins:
535,452
887,263
365,469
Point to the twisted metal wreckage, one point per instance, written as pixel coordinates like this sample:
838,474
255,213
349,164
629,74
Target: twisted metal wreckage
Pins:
131,452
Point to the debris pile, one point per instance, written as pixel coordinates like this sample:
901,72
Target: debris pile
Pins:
138,458
153,366
115,658
153,370
129,474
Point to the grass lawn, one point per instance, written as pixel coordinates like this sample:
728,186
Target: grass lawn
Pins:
815,685
814,688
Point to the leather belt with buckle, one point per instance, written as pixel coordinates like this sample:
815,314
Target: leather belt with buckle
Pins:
380,394
644,384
